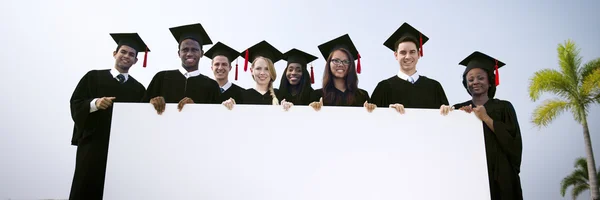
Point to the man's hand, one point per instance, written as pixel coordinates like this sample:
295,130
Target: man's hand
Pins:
184,101
104,102
159,104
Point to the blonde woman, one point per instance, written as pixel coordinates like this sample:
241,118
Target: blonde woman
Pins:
263,56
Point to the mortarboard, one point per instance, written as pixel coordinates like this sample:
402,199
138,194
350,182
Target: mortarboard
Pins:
132,40
302,58
263,49
221,49
192,31
406,33
344,42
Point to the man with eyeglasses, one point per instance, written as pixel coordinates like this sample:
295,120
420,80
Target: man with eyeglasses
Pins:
408,89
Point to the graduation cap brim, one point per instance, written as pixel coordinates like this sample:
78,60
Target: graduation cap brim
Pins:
405,32
298,56
480,60
221,49
483,61
192,31
132,40
263,49
343,41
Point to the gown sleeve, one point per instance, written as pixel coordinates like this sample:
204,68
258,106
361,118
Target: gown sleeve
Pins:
380,94
80,104
154,88
508,134
442,95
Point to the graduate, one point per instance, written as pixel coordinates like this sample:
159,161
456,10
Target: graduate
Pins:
340,79
91,110
263,56
501,129
186,84
295,85
408,89
222,56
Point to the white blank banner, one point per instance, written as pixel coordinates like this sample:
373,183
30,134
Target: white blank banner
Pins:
264,153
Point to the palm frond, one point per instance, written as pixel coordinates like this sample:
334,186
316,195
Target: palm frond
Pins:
552,81
581,164
577,190
589,67
574,179
569,60
590,85
548,111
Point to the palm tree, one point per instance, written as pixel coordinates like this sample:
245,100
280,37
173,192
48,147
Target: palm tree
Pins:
578,179
577,88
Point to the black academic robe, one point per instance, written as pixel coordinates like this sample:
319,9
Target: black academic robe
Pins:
503,149
424,93
92,130
340,98
234,92
251,96
174,86
298,99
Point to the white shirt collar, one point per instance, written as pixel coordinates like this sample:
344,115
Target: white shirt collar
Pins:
226,86
403,76
115,73
189,74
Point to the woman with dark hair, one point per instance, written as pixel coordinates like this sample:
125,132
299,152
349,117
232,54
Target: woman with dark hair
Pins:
501,130
340,80
295,85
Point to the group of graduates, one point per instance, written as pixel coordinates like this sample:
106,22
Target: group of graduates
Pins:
91,101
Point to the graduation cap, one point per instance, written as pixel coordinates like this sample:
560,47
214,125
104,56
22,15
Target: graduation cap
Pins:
263,49
221,49
342,42
132,40
406,33
481,60
192,31
302,58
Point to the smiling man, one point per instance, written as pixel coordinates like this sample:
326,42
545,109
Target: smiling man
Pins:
91,110
408,89
185,85
222,56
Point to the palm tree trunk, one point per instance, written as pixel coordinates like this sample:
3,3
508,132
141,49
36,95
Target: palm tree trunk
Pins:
590,161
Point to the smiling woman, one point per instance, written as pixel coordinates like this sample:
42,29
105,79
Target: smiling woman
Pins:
340,80
295,85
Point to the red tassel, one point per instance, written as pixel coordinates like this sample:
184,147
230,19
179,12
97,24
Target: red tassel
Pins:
358,65
236,69
246,63
145,57
497,75
421,45
312,75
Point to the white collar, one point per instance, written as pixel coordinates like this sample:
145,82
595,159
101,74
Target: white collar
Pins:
115,73
404,76
189,74
227,86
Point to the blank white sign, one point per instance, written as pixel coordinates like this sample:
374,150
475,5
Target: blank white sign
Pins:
264,153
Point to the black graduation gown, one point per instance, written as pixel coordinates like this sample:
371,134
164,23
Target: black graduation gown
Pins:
251,96
425,93
503,149
340,98
173,86
298,99
234,92
92,130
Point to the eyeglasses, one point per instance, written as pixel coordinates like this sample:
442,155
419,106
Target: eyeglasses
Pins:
339,62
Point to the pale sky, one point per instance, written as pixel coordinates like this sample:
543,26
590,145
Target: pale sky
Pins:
49,45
